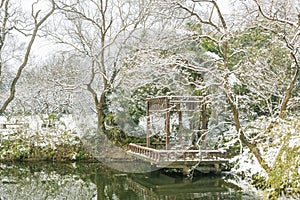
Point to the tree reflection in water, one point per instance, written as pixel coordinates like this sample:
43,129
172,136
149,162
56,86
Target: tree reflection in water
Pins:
44,180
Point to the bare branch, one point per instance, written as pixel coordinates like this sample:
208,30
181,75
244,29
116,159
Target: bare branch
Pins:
26,57
193,13
272,18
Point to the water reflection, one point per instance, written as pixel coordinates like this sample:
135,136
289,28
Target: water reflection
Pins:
95,181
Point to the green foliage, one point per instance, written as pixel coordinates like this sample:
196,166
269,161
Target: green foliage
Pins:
284,179
81,154
203,44
194,27
54,116
259,45
259,56
116,135
210,46
137,107
259,181
23,145
136,140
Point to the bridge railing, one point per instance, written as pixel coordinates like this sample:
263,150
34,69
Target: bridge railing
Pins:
8,125
176,154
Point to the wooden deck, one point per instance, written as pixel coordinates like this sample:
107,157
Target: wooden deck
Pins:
188,114
206,160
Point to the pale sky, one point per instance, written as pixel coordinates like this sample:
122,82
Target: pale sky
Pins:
224,6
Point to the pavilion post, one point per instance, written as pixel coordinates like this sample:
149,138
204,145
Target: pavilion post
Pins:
167,123
204,126
148,124
180,127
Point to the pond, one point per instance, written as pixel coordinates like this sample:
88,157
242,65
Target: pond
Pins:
44,180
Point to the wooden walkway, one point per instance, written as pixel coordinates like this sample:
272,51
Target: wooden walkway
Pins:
206,160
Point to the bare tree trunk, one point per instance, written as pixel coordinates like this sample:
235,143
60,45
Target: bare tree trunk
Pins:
236,119
288,92
251,145
101,111
3,31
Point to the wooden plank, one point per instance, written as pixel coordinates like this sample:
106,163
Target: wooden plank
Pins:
13,125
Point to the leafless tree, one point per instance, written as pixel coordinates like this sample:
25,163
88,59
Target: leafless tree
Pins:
49,86
283,18
99,30
8,24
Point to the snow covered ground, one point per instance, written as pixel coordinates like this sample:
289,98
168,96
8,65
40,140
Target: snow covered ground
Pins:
280,148
39,137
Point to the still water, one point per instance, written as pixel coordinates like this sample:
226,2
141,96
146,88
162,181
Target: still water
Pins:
94,181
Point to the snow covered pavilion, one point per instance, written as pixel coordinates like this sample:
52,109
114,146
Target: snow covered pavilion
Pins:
175,135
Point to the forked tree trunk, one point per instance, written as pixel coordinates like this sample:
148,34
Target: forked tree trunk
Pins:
251,145
236,120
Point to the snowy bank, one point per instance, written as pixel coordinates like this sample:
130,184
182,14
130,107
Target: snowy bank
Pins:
46,137
280,148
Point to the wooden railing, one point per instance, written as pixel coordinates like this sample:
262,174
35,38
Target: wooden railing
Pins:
8,125
176,154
